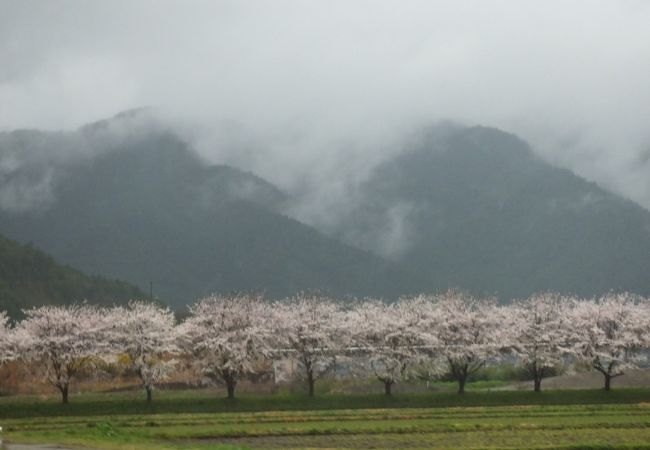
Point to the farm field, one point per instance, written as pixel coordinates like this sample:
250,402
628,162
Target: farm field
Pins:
202,420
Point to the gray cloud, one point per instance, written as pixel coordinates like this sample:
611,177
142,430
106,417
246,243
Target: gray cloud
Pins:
32,162
312,94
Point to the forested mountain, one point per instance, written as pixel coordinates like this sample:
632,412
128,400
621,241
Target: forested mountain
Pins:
29,277
460,207
475,208
146,208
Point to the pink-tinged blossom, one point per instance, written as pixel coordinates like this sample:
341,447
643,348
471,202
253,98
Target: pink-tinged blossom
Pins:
539,329
389,336
610,332
144,332
63,341
227,336
469,332
6,339
310,328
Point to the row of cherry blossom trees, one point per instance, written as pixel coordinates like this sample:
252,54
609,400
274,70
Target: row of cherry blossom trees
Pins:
226,338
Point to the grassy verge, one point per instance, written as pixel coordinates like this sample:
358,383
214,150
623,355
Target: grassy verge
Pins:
190,419
210,401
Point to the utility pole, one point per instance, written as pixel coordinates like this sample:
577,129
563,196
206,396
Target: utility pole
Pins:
151,290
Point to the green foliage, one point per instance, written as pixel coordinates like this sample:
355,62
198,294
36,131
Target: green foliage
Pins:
29,277
106,429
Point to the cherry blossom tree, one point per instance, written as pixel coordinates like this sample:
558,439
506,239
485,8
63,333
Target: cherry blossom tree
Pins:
610,332
469,332
144,332
228,336
310,327
6,339
6,348
63,340
539,332
389,335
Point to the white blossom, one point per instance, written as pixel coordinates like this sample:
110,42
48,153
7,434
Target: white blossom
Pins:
389,336
310,327
144,333
227,337
62,340
468,331
6,339
610,332
539,332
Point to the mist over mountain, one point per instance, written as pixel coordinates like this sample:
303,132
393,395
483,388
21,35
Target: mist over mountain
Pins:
455,206
475,208
148,209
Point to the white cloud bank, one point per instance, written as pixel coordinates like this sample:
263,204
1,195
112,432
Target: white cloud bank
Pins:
310,93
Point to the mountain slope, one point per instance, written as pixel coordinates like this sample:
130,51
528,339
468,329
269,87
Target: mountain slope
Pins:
474,207
461,207
147,209
29,277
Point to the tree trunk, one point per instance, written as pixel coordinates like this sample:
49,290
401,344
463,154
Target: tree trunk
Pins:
537,373
230,385
461,384
149,393
388,384
310,381
608,382
64,393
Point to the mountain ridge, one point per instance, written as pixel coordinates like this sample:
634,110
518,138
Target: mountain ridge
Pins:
29,277
149,210
486,212
459,207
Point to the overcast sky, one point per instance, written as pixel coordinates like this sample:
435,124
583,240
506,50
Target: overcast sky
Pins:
309,86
